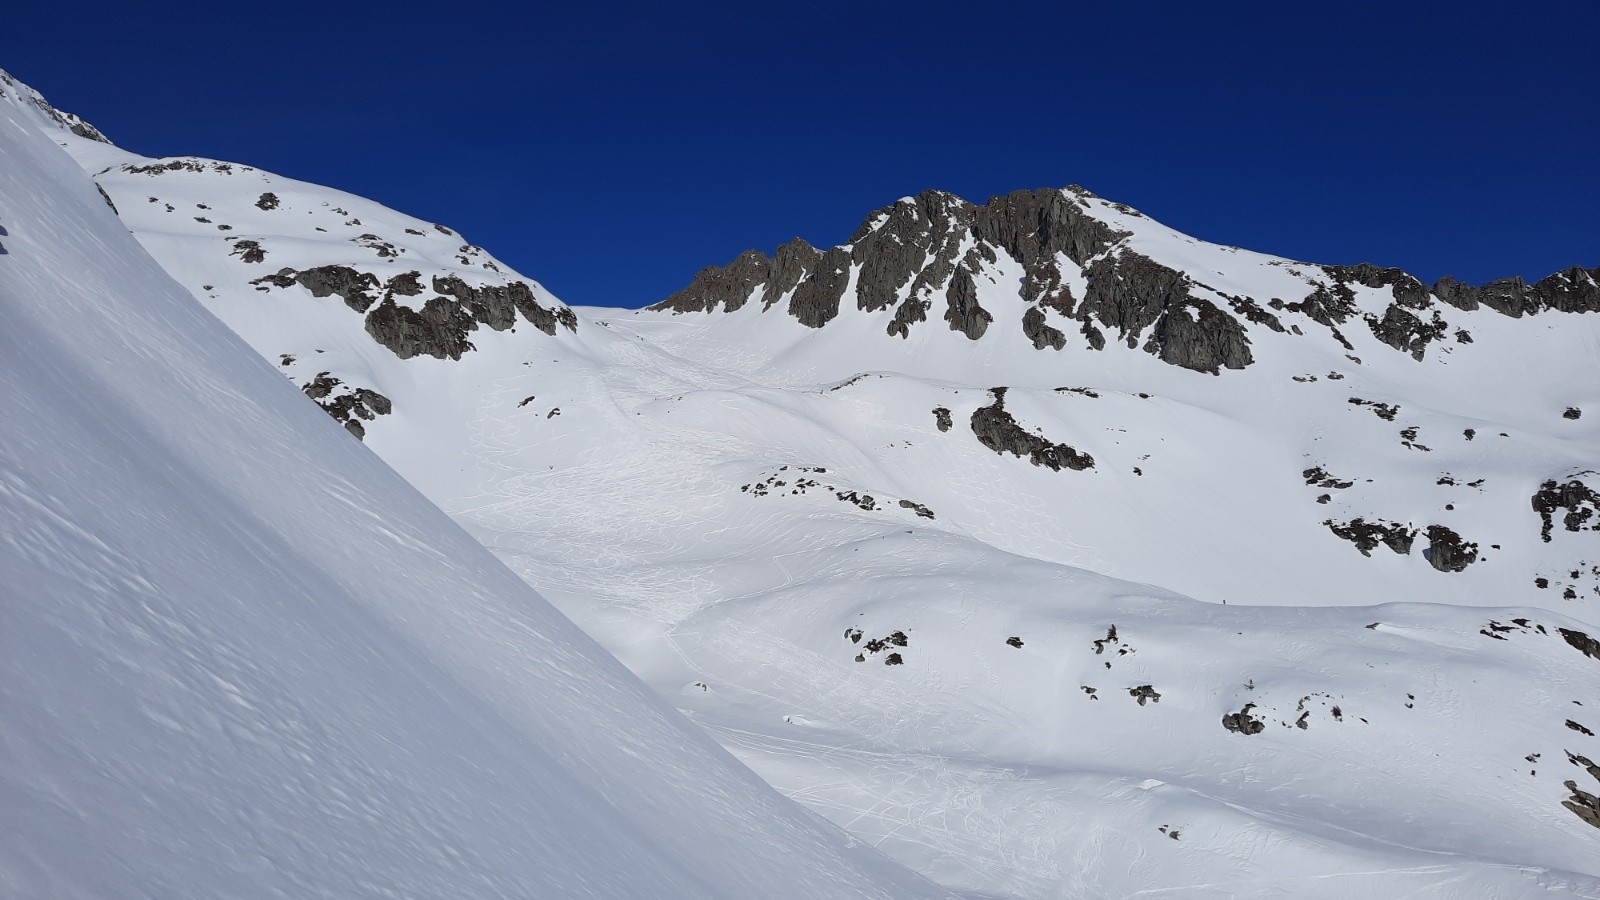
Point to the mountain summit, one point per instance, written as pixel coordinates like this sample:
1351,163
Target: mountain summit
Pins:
1058,262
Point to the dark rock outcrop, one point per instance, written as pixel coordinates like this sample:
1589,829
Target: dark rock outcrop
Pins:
1252,312
107,198
441,326
912,311
183,164
439,329
727,286
1317,477
1406,289
941,418
791,265
1384,411
1040,332
1405,331
963,312
1367,536
1206,342
353,287
997,430
406,284
1130,292
1325,305
1242,722
893,253
249,251
1032,227
1096,338
1581,642
1583,804
1574,290
496,305
493,305
1143,693
1581,502
1446,551
348,406
815,300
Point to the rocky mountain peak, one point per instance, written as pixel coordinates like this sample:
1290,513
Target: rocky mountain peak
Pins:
1055,263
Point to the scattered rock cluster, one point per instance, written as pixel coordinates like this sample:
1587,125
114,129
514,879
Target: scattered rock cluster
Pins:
1581,502
1447,551
874,646
1384,411
799,482
347,405
1242,722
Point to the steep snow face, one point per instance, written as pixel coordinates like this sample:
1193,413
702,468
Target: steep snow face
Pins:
242,658
962,591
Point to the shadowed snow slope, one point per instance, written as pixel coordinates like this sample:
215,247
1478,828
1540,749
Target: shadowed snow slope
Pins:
240,657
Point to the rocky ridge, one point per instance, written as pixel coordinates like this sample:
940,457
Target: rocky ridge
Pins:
1061,263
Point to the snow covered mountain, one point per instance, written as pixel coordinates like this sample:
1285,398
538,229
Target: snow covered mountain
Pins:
242,658
1051,551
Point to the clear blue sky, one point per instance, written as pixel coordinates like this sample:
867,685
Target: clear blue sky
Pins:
612,150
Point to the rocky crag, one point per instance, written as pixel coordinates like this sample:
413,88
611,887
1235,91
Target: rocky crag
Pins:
1061,266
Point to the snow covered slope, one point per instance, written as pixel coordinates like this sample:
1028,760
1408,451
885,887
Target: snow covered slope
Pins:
240,657
959,585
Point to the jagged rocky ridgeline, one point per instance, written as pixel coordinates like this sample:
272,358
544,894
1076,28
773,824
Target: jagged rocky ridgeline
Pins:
1079,274
440,328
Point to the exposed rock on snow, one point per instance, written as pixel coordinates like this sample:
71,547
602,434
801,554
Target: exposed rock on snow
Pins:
348,406
1242,722
999,431
1581,502
1446,550
1367,536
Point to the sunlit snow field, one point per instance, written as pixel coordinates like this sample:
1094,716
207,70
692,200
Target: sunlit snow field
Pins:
1025,694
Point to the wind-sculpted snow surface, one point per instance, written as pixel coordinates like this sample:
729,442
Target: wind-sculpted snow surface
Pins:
239,657
1051,551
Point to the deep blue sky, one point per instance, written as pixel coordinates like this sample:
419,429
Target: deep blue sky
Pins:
611,150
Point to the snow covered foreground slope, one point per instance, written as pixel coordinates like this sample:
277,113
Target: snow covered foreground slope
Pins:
239,657
819,538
